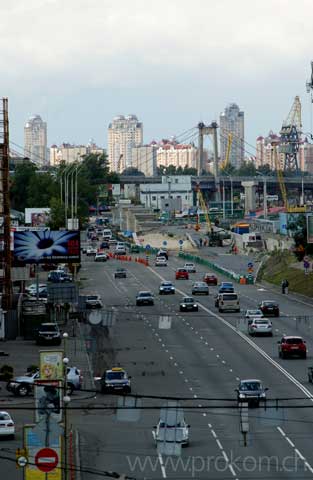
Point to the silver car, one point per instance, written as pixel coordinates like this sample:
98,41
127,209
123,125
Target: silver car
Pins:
200,288
260,326
172,426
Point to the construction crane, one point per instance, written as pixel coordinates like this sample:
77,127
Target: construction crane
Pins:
290,137
282,186
225,164
215,239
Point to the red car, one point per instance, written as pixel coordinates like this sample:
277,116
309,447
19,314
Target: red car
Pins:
182,274
210,279
289,346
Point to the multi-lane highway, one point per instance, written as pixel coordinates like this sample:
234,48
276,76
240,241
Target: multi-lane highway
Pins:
201,357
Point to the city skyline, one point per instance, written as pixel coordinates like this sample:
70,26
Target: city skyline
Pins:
172,70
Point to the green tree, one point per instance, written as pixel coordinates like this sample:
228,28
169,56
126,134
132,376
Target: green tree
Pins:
246,169
41,187
20,182
57,214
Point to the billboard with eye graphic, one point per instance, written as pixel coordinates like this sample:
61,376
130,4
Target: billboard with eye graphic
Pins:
54,246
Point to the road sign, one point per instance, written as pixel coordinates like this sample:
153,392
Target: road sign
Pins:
46,459
164,243
148,247
95,317
250,265
180,242
22,461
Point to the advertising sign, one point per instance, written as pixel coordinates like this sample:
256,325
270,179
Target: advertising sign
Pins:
309,224
48,400
37,216
47,246
43,463
51,365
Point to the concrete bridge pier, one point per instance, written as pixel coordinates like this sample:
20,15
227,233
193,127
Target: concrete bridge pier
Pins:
250,193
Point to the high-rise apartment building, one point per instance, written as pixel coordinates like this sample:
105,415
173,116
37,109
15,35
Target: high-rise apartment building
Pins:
232,121
35,140
177,154
124,133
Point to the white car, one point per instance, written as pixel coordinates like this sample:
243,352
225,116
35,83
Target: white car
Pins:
101,257
172,426
190,267
91,251
160,262
7,427
260,326
256,313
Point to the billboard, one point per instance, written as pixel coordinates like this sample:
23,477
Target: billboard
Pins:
37,217
48,400
51,364
54,246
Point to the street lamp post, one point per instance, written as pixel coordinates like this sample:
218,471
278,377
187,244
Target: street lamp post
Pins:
224,213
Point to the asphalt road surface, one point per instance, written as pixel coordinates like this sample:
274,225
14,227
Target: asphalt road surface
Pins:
200,358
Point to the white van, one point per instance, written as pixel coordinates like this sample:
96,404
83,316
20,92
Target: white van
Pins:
228,302
106,234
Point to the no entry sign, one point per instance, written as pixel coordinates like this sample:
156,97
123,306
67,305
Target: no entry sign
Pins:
46,459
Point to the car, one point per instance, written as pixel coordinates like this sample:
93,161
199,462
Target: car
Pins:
227,302
251,314
101,257
226,287
200,288
251,391
115,380
254,313
112,241
91,251
48,334
188,304
260,326
58,276
119,250
171,427
210,279
93,301
269,308
144,298
120,273
190,267
290,346
162,253
166,288
7,427
23,385
160,262
181,274
104,245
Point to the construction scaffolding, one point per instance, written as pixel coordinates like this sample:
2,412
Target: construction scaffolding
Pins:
5,224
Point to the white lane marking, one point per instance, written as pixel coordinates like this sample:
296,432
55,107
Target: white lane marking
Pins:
250,342
220,446
213,433
162,466
297,451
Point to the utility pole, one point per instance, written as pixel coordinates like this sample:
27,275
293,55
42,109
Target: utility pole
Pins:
5,205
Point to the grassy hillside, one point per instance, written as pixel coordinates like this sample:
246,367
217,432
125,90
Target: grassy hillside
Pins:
280,265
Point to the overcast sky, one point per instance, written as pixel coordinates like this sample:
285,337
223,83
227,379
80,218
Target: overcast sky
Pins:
78,63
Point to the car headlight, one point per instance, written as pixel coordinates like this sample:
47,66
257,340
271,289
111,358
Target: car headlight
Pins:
183,305
262,395
195,305
241,395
